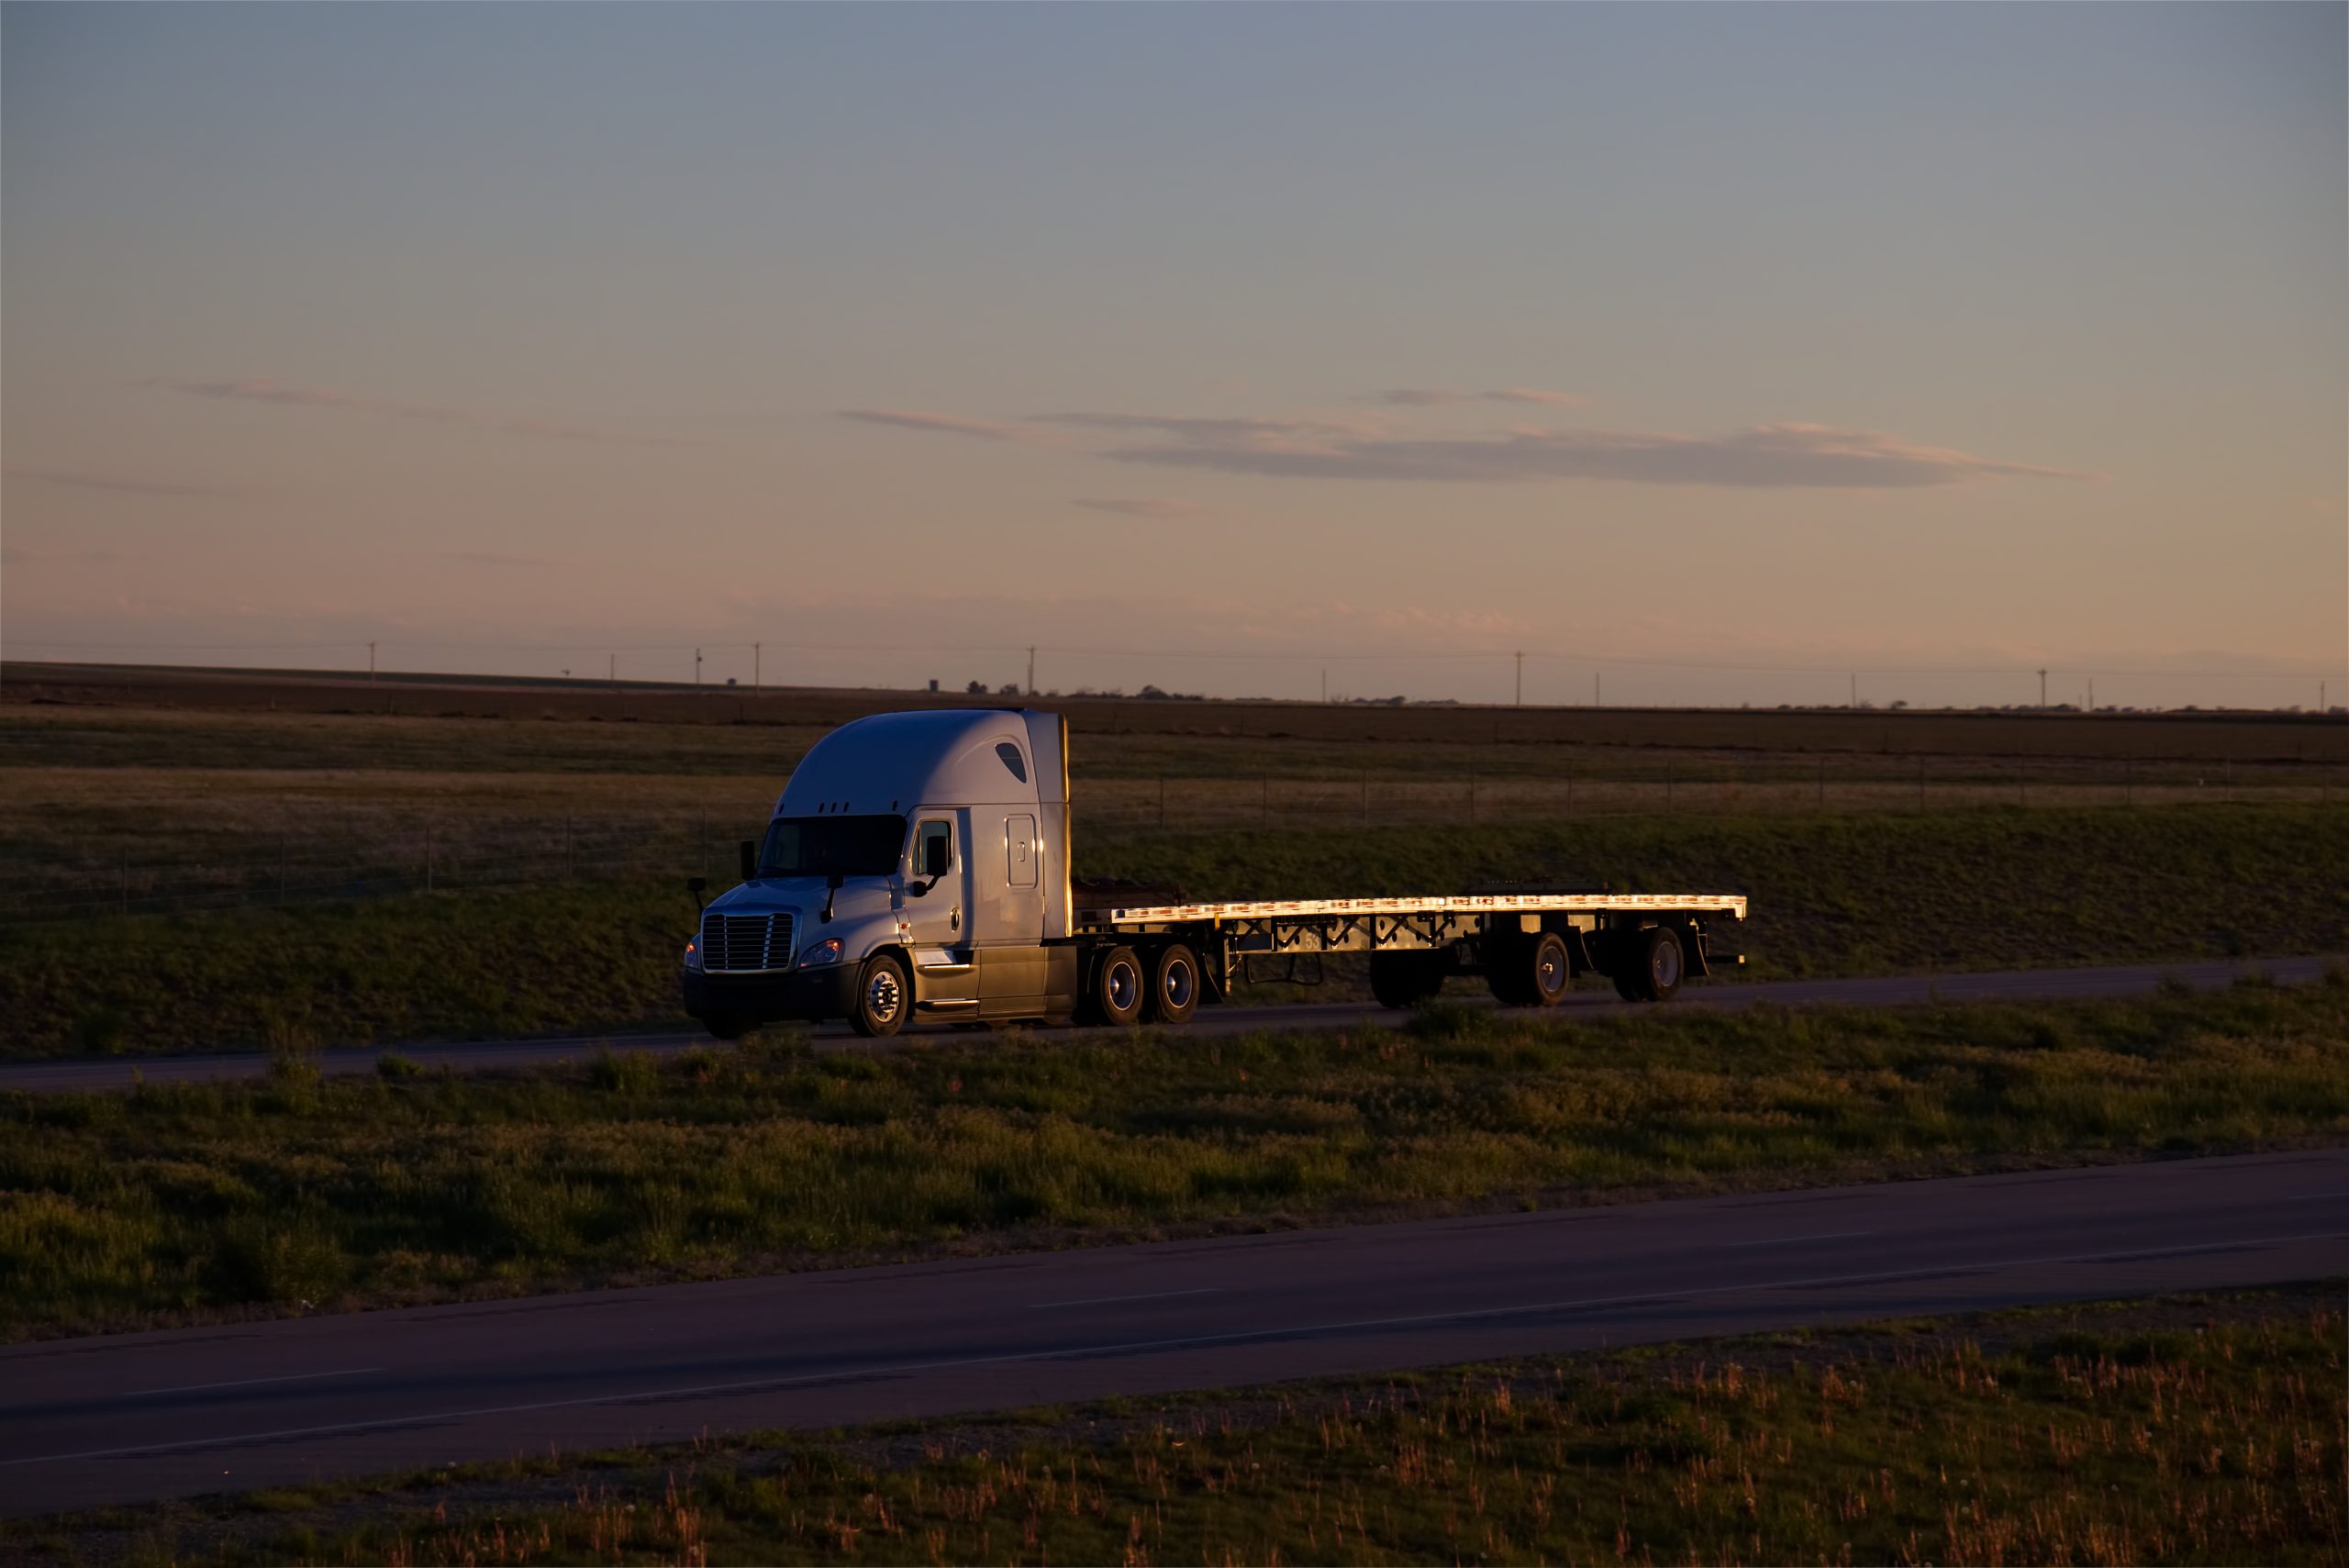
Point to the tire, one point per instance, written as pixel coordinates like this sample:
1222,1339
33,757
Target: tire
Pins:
1549,970
1505,970
1175,984
1534,972
882,998
1650,965
1407,979
723,1028
1115,989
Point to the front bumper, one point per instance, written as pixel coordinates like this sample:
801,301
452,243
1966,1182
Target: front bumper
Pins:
801,995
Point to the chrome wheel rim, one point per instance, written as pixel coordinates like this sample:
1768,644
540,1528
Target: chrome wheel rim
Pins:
1182,985
1123,987
882,996
1665,965
1550,974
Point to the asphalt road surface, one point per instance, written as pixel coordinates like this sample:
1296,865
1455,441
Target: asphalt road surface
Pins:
2006,985
86,1422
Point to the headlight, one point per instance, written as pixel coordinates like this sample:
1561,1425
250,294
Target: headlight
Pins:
826,951
693,956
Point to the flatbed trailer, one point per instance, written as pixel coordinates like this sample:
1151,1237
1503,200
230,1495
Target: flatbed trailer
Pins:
853,910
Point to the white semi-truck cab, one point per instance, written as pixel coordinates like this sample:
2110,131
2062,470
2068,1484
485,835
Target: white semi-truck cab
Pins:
917,867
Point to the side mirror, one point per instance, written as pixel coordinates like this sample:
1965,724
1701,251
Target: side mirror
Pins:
694,884
935,855
750,859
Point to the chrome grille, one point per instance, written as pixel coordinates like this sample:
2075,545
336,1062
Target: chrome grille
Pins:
740,944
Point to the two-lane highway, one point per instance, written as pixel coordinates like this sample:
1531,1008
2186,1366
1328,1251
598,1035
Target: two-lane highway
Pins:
1879,991
134,1416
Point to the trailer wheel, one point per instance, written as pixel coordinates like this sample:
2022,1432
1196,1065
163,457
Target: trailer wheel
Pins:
1650,965
1174,986
881,1001
1407,979
1116,991
1535,973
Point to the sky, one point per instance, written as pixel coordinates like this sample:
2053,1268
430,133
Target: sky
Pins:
1706,354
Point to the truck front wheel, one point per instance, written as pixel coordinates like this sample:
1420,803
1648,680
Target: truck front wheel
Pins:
880,1008
1650,966
1174,986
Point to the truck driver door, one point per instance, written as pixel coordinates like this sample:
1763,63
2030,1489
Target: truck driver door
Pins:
937,922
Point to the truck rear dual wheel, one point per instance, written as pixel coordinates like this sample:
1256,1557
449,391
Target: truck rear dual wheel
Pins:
1407,979
1534,973
1174,984
1115,991
1650,964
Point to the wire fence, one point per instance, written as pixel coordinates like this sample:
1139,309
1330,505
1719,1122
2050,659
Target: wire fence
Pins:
406,853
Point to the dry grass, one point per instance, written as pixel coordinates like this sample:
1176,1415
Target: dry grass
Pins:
2186,1431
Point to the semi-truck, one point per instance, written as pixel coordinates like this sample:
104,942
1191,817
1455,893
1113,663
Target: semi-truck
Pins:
917,868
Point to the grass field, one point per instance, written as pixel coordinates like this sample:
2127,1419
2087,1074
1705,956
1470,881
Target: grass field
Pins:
1832,895
122,1208
2181,1430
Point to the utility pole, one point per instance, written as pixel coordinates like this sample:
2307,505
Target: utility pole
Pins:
754,669
1032,672
2042,691
696,669
1520,678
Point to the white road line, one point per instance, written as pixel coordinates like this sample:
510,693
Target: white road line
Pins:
249,1382
1106,1300
1790,1241
388,1423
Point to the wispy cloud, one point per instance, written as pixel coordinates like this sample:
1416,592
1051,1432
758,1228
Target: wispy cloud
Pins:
1151,508
287,395
1376,448
945,424
1766,456
1434,396
490,558
18,555
119,484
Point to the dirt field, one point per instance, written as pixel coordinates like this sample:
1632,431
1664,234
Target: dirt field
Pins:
2244,737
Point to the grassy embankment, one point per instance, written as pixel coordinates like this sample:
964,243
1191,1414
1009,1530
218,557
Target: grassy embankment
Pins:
2193,1429
1832,895
201,1201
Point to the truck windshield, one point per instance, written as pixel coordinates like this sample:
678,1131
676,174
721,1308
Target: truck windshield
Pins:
825,846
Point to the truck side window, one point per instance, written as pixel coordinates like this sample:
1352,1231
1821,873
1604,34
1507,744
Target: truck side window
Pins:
934,854
1013,760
